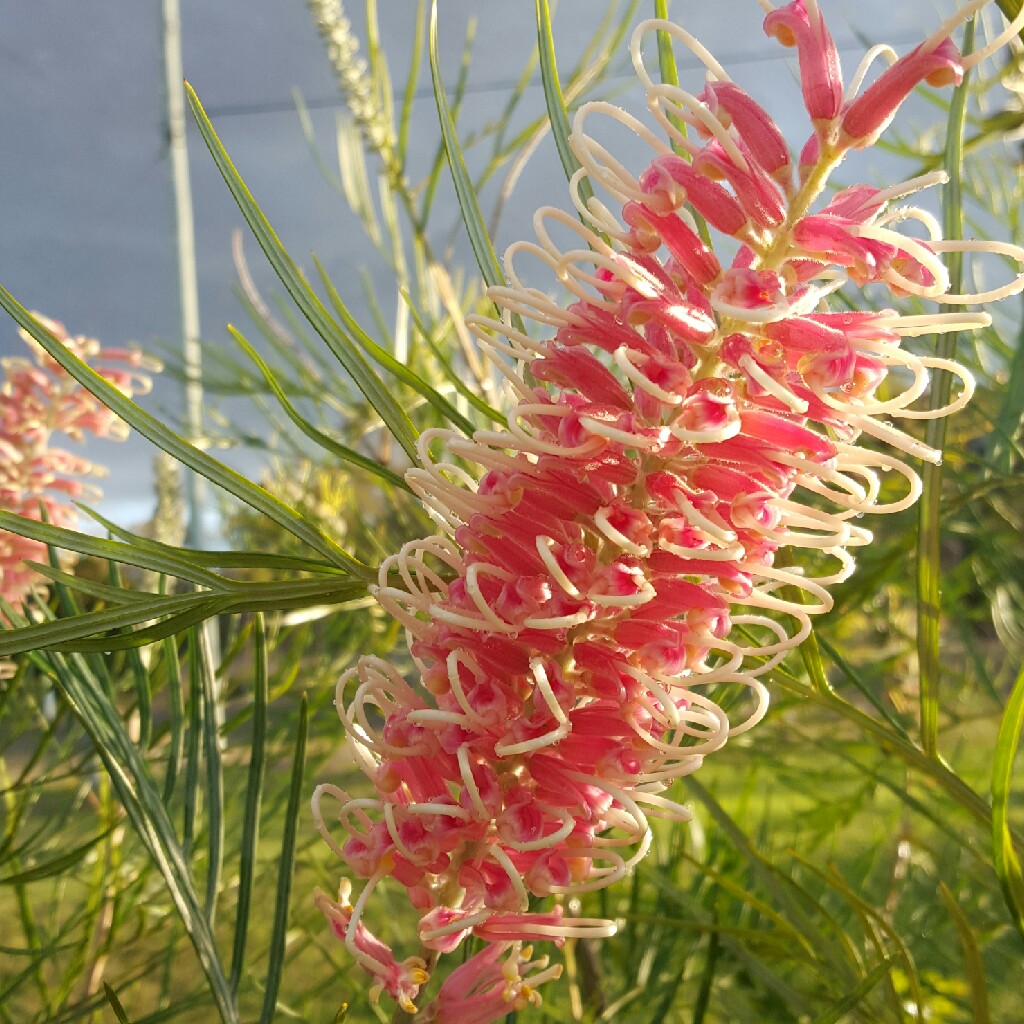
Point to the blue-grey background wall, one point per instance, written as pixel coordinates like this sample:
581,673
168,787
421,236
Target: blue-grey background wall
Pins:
85,199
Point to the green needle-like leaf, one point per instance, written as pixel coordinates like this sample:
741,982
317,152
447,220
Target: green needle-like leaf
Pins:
286,867
912,755
375,390
471,396
483,248
838,1011
555,101
141,800
384,358
115,1004
60,631
165,438
929,549
176,725
57,865
972,957
214,769
164,562
342,451
253,797
1004,856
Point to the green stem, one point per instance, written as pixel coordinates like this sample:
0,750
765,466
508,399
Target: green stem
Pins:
912,755
929,540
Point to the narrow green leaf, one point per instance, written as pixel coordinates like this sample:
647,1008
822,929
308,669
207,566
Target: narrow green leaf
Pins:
929,540
139,797
1004,856
666,54
111,551
412,79
838,1010
203,608
972,957
286,866
342,451
810,653
164,438
483,248
433,179
217,559
143,696
707,978
60,631
57,865
265,597
176,725
555,101
193,750
1007,422
313,309
668,69
175,614
33,970
875,925
214,767
911,755
90,588
309,134
802,926
388,361
115,1004
471,396
355,184
862,687
253,797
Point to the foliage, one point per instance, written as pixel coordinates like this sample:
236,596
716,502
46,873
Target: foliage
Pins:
856,859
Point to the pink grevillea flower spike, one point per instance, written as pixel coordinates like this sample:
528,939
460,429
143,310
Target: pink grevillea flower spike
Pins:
683,454
39,401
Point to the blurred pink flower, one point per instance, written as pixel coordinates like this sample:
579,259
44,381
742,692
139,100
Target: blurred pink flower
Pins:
681,424
38,400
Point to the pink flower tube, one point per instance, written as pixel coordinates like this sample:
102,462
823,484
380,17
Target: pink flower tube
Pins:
679,485
37,401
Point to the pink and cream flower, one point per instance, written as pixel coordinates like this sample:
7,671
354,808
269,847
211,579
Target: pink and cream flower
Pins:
679,485
38,400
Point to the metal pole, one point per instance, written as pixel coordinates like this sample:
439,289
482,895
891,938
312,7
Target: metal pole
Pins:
192,356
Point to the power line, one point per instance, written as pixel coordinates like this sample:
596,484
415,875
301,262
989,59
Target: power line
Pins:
499,86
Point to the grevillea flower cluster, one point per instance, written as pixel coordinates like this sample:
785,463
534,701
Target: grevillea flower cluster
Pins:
38,400
680,484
